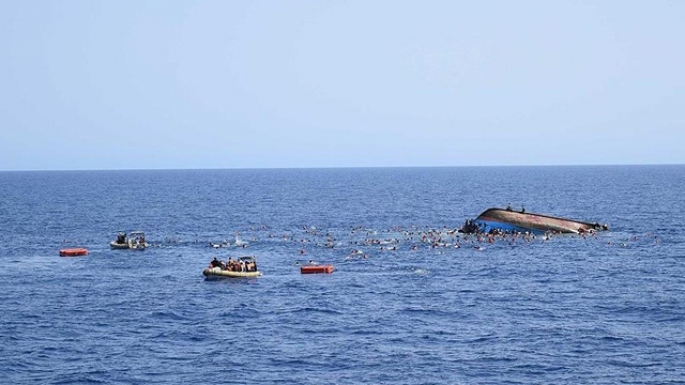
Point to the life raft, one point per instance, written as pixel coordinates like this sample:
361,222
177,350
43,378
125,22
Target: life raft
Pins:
76,252
316,269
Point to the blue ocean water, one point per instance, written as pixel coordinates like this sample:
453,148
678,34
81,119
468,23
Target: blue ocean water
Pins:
605,309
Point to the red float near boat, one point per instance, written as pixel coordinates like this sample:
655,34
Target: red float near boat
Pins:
316,269
76,252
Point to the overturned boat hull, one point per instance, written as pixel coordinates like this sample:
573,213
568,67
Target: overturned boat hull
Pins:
507,220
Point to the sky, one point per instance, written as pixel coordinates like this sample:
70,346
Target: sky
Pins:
94,85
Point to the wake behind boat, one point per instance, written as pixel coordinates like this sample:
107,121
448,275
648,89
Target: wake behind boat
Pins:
507,220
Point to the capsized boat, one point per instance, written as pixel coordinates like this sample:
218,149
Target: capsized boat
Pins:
494,219
136,240
244,267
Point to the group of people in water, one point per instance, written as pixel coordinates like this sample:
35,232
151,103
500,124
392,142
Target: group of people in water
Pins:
399,239
362,242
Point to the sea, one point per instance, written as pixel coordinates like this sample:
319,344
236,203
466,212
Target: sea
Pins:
410,301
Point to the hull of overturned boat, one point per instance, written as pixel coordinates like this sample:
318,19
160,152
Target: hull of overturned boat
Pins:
507,220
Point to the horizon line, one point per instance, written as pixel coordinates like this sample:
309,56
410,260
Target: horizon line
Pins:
347,167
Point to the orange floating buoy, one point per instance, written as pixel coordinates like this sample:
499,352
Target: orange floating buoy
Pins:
316,269
76,252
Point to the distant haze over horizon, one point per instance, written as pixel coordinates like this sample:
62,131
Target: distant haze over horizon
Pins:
146,85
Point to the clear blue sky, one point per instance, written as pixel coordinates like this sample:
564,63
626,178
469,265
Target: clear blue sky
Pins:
242,84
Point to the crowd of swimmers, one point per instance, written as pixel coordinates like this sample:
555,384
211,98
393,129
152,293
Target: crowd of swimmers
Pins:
362,242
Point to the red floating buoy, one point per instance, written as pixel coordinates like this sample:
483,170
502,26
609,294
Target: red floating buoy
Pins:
316,269
77,252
